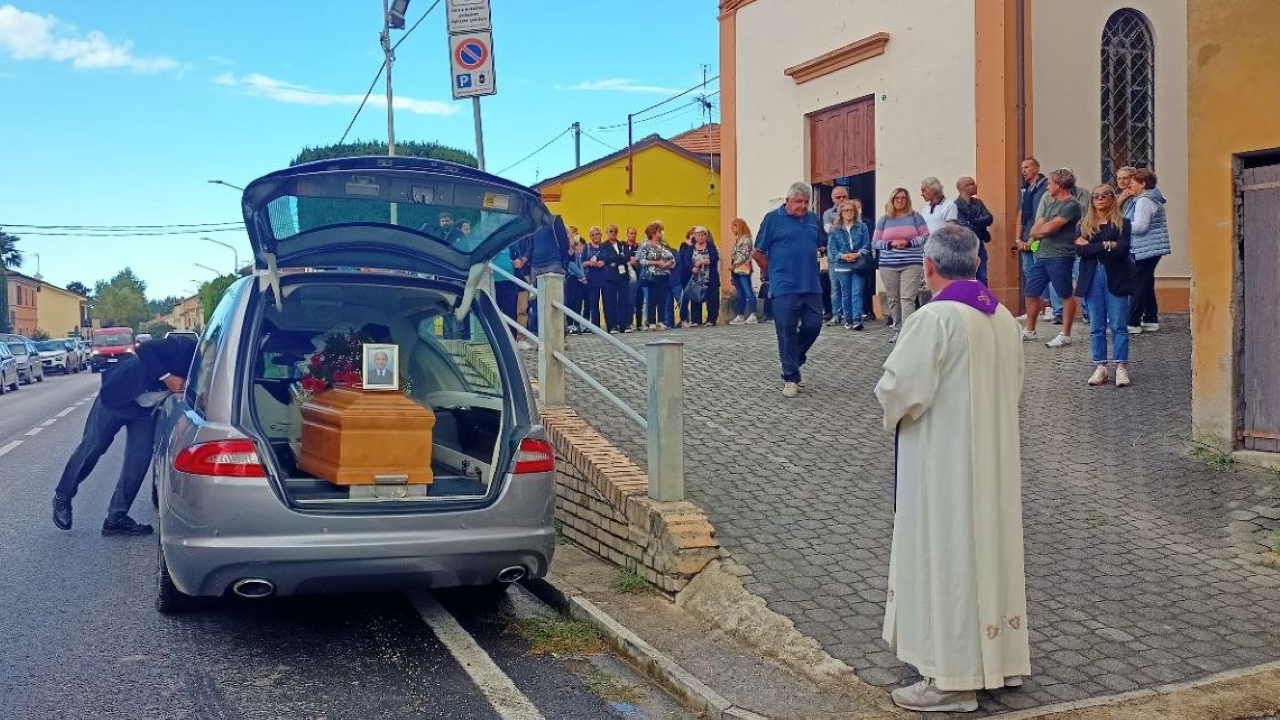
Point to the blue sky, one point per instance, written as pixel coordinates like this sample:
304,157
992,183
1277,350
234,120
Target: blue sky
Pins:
117,114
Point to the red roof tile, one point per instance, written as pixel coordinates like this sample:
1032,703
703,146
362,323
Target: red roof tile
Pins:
703,141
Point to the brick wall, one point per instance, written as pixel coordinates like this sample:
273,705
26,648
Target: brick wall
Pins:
603,506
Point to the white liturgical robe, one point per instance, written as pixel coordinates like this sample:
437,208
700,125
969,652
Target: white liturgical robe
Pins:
956,606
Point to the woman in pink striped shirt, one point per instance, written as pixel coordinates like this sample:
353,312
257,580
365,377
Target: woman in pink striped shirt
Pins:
900,236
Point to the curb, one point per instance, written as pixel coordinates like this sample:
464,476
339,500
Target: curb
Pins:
654,664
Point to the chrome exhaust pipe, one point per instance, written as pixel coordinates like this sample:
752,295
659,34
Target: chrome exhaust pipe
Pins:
515,573
253,588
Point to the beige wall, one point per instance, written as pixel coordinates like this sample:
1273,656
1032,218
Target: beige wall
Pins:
1067,76
923,85
58,312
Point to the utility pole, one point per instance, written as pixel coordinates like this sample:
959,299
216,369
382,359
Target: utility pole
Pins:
385,38
475,110
577,144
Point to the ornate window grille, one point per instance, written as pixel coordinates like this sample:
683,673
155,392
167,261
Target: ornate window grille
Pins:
1128,93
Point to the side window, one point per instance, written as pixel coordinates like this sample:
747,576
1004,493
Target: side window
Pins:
209,348
467,345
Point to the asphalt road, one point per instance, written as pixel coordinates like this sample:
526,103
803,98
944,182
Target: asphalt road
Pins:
80,638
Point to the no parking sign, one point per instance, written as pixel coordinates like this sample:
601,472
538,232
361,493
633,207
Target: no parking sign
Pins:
471,60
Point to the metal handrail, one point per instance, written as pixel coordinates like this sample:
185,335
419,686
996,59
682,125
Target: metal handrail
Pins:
581,321
522,330
583,375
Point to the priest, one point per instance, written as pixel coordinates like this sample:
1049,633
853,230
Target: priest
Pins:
956,605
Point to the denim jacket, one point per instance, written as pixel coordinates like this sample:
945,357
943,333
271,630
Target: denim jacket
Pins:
844,240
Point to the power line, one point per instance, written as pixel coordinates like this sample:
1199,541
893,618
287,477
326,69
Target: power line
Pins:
535,152
702,100
597,140
145,233
127,228
382,67
702,84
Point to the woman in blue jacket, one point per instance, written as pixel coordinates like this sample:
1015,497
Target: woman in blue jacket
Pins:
1150,243
849,249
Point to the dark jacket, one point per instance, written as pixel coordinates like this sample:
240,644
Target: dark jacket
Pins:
1115,260
616,258
122,384
600,276
713,270
974,215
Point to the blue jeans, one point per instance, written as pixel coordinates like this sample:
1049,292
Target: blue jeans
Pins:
100,429
746,295
797,323
1107,311
848,287
837,295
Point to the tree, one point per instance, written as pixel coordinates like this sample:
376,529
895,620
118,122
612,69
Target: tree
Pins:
10,257
40,334
122,301
158,328
79,288
412,148
163,306
211,294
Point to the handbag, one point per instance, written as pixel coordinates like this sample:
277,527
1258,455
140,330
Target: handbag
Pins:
764,291
695,292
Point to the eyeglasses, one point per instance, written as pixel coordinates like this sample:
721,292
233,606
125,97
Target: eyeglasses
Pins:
1102,196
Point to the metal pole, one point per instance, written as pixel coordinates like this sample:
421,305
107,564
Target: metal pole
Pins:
475,109
390,58
631,157
577,144
666,420
551,339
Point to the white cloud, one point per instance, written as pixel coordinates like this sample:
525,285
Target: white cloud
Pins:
28,36
619,85
286,92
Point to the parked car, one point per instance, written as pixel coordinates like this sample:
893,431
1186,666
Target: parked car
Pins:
141,338
8,370
237,514
30,368
59,356
110,346
183,333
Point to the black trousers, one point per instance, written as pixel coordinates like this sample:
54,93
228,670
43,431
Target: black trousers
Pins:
616,307
659,297
99,431
868,292
575,296
1142,303
825,279
708,310
596,293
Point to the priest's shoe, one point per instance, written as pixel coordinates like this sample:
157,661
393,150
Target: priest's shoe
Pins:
62,512
924,696
124,525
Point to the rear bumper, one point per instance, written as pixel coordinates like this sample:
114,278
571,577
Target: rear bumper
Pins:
217,532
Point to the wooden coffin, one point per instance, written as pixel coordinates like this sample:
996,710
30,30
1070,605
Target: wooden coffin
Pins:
356,437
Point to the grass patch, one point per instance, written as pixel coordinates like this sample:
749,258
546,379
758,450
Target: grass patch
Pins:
611,689
1216,459
560,636
630,581
560,536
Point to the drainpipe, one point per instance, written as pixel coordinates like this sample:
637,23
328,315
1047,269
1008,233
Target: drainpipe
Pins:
1021,13
631,171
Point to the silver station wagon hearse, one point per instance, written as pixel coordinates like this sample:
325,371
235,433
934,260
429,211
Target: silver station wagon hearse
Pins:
366,249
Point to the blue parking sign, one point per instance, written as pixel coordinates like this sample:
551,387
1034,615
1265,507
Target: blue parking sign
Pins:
463,80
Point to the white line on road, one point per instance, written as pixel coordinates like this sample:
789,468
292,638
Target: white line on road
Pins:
48,422
66,412
502,693
34,431
90,397
5,450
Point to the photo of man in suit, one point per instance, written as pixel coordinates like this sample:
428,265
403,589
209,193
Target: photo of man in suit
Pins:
380,367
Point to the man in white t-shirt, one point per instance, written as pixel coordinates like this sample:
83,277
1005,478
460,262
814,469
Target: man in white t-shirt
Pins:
937,210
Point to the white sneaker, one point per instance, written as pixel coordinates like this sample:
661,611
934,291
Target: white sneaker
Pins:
751,320
790,389
1122,376
1100,376
1059,341
1029,335
924,696
523,344
1150,327
1048,314
1135,329
738,320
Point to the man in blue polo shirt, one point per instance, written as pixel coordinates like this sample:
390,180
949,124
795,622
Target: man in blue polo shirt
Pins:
787,252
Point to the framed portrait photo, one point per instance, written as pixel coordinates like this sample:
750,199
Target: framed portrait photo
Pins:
381,367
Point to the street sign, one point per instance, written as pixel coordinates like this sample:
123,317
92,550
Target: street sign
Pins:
471,63
468,16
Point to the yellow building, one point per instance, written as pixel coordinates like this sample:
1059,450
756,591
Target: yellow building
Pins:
676,181
1234,176
60,312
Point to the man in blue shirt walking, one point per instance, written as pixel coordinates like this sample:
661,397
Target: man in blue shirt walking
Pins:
787,252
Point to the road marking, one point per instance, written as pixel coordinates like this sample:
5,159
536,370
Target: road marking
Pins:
34,431
90,397
501,692
48,422
66,412
5,450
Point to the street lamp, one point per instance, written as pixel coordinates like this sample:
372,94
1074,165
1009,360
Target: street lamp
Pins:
232,248
224,182
206,267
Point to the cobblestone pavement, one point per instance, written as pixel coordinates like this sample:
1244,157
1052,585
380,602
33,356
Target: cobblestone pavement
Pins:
1144,556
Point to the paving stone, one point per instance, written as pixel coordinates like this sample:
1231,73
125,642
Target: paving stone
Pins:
1132,557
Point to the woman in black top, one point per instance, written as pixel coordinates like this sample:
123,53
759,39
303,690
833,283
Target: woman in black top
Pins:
1106,279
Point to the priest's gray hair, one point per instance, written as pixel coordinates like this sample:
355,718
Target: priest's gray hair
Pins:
799,189
953,249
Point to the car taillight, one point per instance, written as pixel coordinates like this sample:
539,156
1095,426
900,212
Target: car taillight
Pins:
535,456
223,458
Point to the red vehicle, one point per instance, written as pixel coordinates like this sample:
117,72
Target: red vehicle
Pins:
110,346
